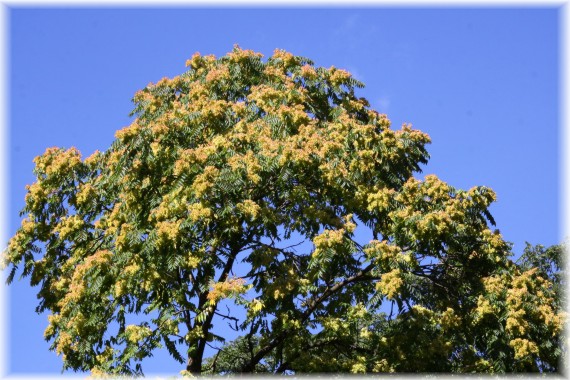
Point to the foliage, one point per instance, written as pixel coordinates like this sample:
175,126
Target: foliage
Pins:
549,263
251,183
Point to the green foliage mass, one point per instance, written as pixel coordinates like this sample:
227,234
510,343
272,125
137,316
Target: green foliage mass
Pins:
246,181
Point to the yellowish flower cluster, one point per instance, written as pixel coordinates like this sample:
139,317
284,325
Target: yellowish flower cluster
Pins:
294,114
383,251
56,160
423,313
159,129
328,239
449,319
76,324
266,97
98,373
360,365
121,241
36,195
64,343
198,92
198,61
286,58
196,332
523,348
16,248
252,167
204,181
28,226
338,76
228,288
121,288
308,72
115,157
53,320
524,300
254,308
240,55
390,283
494,284
211,109
357,311
283,285
277,73
348,223
193,261
198,212
494,243
288,322
516,322
365,161
85,194
437,222
484,308
136,333
168,231
105,356
249,208
129,131
364,333
77,286
384,366
555,321
93,158
68,226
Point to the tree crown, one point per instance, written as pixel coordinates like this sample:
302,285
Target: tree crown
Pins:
247,181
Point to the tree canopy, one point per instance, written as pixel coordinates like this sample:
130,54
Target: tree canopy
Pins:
265,196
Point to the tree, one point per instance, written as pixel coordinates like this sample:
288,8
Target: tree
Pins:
248,182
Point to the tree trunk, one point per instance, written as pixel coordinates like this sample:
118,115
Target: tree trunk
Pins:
195,356
194,363
194,366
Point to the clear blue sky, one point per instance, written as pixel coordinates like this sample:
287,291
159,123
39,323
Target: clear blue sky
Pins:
483,83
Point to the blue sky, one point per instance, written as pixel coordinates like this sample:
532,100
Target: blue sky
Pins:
483,83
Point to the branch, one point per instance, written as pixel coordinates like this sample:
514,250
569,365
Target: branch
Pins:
249,367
